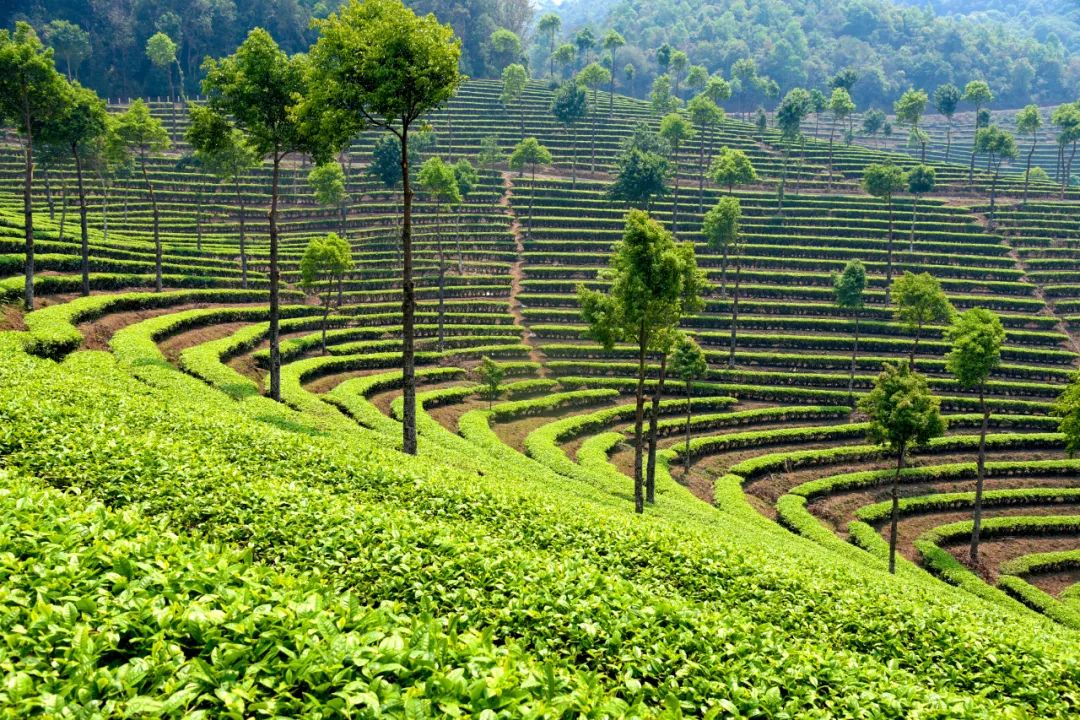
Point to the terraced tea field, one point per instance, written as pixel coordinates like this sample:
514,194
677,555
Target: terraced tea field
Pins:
269,558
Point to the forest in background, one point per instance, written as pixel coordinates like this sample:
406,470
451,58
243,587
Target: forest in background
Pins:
1026,51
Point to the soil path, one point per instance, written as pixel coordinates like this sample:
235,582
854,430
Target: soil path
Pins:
517,274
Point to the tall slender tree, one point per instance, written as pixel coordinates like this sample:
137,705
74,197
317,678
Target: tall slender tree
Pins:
909,110
653,282
32,93
732,167
438,181
884,181
689,364
706,115
997,145
903,415
946,100
920,180
515,78
376,63
327,181
530,154
849,287
570,105
467,179
593,76
549,26
612,42
919,302
1028,122
145,138
322,266
676,131
977,338
977,93
840,107
793,109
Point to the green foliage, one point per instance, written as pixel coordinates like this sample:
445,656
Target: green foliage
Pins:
222,149
676,131
902,412
910,107
919,301
140,131
849,286
977,93
466,177
920,179
688,361
883,180
642,170
721,225
385,165
504,48
514,80
996,144
732,167
325,259
704,112
661,96
977,338
327,180
30,87
439,182
947,99
794,108
570,104
491,375
1028,120
70,42
529,153
840,105
161,50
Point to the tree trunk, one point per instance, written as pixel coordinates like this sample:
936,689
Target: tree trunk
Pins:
573,157
854,354
971,165
63,207
701,173
408,305
243,238
735,311
457,240
639,421
49,196
675,195
104,212
915,346
325,317
980,467
592,161
895,517
532,194
689,416
275,348
84,230
442,273
888,267
993,197
1027,170
198,219
948,139
157,225
654,417
832,133
914,215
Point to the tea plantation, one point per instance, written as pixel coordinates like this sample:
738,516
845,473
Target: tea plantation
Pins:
176,543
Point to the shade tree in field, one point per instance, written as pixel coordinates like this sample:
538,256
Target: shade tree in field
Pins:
909,110
840,107
732,167
467,179
32,93
976,337
81,129
1067,120
570,105
226,154
377,64
761,123
677,67
593,76
873,122
946,101
720,230
491,375
676,131
653,283
161,51
256,91
70,43
920,180
529,155
612,41
920,301
323,266
793,109
707,117
1028,122
688,363
661,98
884,181
998,146
903,415
515,78
1067,410
549,26
191,163
642,169
504,48
584,43
978,94
327,181
145,138
564,56
849,287
439,183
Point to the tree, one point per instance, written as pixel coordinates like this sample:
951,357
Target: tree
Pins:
504,48
70,42
680,61
438,181
920,180
593,76
946,99
661,98
903,415
707,116
490,374
467,179
688,363
569,106
873,122
1067,119
883,181
612,42
377,64
630,72
144,136
323,265
549,26
564,57
585,41
977,338
663,57
653,283
761,123
675,130
849,286
32,94
515,79
530,154
696,78
819,104
919,301
327,181
977,93
909,110
997,145
1028,122
1067,408
731,168
226,154
840,108
720,228
790,114
642,169
81,130
161,51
